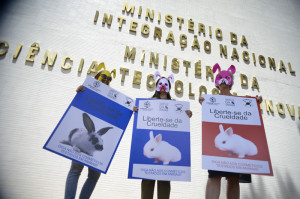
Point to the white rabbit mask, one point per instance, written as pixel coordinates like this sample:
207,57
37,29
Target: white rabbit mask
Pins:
163,82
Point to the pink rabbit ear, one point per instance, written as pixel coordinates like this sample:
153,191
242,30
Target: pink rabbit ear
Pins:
229,131
216,67
157,75
232,69
171,78
158,138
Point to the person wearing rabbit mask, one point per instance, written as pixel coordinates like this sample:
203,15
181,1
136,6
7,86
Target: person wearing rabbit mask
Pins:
224,82
73,176
162,91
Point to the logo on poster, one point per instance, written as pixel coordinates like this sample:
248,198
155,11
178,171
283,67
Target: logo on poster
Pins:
212,101
247,102
229,102
178,108
163,107
113,94
128,102
96,84
147,105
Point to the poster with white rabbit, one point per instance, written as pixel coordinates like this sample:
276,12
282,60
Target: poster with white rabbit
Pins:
233,136
160,148
92,126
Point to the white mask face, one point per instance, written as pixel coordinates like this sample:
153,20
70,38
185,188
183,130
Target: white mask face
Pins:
163,83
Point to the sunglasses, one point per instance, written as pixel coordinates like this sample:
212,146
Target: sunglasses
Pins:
105,77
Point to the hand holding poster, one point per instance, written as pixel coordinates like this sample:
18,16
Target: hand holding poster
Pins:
160,148
92,127
233,136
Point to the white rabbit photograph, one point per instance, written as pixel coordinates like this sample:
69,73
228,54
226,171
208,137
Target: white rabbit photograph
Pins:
160,154
83,137
234,144
160,150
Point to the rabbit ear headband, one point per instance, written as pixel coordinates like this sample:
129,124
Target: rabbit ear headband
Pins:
105,74
223,76
163,82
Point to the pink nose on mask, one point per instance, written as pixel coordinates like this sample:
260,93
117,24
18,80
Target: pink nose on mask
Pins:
163,86
223,76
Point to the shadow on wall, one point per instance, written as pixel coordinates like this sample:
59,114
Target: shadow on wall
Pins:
286,187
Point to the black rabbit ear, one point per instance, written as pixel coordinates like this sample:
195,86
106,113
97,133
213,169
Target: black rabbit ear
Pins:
88,123
104,130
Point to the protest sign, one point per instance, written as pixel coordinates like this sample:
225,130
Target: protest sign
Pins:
233,135
160,148
92,127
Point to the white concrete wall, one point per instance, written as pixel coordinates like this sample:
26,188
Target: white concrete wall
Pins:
34,96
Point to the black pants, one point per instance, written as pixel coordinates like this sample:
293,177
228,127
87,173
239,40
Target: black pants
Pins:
163,189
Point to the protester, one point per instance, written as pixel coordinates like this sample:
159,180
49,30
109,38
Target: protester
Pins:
105,77
162,91
224,82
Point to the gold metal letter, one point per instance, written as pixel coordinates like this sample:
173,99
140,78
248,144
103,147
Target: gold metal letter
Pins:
246,56
106,19
244,41
175,64
269,106
234,54
130,54
145,29
191,94
201,29
186,64
223,50
6,46
254,83
169,19
180,20
34,49
272,63
207,46
261,60
170,37
154,59
157,32
179,87
291,110
133,25
198,68
191,25
63,64
137,76
149,14
183,40
50,60
219,33
202,89
209,73
93,67
150,81
244,80
281,66
17,52
280,108
127,9
123,72
233,38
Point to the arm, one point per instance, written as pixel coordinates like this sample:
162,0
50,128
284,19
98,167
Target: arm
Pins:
135,108
189,113
80,88
259,98
201,99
